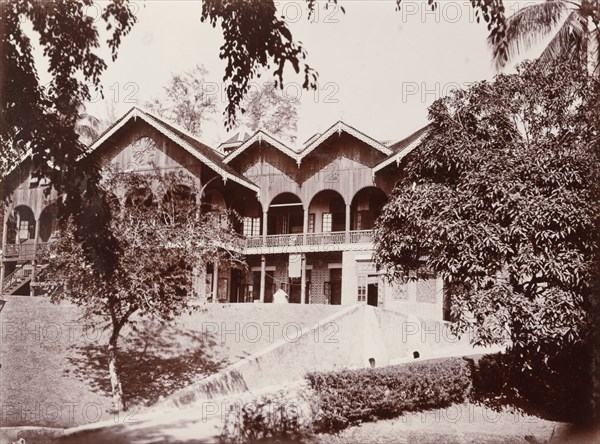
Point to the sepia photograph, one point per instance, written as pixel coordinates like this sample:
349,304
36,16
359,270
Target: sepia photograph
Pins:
300,221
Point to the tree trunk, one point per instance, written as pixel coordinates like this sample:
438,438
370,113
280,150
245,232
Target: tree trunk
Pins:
115,380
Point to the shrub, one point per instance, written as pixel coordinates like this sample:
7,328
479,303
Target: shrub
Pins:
558,388
349,397
275,418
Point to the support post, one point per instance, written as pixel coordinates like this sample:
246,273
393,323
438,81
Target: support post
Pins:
215,283
347,223
2,263
263,272
264,233
305,226
303,280
34,261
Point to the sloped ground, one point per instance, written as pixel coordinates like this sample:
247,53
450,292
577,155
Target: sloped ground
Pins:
458,424
54,371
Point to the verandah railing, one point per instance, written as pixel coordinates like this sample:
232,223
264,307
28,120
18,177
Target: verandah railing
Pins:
297,239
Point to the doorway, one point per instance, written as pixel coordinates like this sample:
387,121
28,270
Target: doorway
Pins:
372,294
335,278
234,290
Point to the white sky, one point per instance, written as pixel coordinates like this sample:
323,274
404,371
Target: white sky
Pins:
379,69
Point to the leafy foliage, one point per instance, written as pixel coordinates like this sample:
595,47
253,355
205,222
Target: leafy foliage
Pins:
185,100
154,249
267,108
41,119
349,397
255,38
574,24
274,418
501,200
559,389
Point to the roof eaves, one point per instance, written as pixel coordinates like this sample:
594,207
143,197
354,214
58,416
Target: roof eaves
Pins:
262,136
340,127
154,122
157,124
397,157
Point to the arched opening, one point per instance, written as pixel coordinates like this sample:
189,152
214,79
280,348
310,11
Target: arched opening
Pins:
251,212
212,201
179,202
140,197
327,212
286,215
366,207
48,223
23,228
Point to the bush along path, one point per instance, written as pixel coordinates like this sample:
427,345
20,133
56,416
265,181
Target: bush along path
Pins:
334,401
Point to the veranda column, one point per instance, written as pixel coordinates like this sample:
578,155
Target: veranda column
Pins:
303,280
305,226
264,226
347,223
4,235
263,272
215,282
34,261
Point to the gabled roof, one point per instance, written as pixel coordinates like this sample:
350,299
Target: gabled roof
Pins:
338,127
310,145
403,147
262,136
202,152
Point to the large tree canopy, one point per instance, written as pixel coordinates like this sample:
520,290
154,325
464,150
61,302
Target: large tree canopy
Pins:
158,237
41,118
501,200
573,22
256,38
185,101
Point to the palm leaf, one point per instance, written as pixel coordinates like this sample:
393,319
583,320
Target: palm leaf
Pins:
525,29
570,39
593,53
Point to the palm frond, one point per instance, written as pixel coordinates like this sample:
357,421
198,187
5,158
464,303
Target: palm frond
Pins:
570,39
593,53
527,28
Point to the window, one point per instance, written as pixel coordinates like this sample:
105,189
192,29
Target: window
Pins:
251,226
358,221
247,230
426,286
24,230
327,222
311,223
327,290
362,289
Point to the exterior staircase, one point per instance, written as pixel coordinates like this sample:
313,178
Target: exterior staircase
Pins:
20,277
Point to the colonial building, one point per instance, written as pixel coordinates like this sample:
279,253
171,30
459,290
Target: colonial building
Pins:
307,212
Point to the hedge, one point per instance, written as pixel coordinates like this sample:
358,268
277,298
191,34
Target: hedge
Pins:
350,397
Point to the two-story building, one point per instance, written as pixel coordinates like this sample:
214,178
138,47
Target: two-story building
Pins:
307,211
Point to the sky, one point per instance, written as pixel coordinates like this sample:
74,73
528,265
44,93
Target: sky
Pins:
379,69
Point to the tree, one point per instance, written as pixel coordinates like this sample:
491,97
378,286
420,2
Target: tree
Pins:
41,119
501,200
574,23
87,126
269,109
186,101
256,39
155,245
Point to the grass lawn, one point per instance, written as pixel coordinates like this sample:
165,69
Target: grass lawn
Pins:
54,372
466,423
